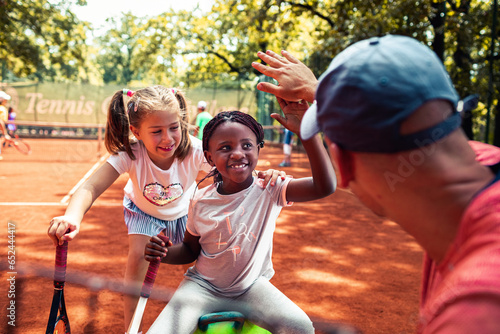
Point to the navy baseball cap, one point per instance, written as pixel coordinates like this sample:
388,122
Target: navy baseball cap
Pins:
371,87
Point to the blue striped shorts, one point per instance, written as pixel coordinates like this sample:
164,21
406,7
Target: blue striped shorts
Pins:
139,222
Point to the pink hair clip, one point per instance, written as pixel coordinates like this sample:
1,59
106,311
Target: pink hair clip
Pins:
128,92
174,90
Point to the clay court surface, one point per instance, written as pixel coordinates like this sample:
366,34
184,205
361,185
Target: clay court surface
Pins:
333,257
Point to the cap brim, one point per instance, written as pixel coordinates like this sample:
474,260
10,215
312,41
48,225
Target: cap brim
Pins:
309,125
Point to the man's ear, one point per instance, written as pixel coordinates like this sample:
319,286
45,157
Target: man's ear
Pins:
208,157
343,162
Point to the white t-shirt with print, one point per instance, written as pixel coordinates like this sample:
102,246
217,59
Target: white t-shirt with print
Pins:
236,235
164,194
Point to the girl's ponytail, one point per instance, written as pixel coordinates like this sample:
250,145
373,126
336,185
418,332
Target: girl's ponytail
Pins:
185,143
117,135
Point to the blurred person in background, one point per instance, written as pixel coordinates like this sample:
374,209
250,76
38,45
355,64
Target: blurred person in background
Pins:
202,118
11,127
287,148
4,117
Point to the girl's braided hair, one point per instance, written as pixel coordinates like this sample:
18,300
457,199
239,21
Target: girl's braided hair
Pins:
230,116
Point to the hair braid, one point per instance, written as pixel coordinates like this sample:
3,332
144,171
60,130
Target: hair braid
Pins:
116,136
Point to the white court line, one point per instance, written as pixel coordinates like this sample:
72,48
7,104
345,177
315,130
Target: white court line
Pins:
56,204
84,178
32,204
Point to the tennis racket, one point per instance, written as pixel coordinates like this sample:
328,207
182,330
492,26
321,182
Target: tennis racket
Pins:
58,318
18,143
147,286
21,145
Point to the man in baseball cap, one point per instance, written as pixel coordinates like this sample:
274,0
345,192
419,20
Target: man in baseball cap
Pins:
372,87
387,109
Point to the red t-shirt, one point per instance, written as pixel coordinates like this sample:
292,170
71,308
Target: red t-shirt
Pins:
462,293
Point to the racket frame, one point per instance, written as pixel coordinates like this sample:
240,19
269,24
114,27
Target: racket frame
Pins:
22,146
58,308
147,287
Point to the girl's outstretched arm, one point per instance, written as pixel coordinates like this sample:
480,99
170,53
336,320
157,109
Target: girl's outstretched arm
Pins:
183,253
3,129
323,181
80,203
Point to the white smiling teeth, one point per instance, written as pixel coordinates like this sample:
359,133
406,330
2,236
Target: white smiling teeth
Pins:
238,166
167,147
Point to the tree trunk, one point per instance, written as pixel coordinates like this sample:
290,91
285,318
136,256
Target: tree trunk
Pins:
496,130
437,19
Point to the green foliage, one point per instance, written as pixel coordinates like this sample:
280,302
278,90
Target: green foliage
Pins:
118,49
194,49
221,44
41,40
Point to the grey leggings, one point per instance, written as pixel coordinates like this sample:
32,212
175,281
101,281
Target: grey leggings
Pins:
263,304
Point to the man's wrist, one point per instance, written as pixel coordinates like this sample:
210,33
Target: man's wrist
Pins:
310,92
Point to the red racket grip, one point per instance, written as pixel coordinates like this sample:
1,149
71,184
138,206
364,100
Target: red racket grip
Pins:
61,259
149,280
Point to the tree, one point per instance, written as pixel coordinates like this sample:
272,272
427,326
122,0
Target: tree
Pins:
457,31
117,49
222,43
41,40
216,48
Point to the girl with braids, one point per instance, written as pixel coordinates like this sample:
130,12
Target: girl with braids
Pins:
230,230
162,161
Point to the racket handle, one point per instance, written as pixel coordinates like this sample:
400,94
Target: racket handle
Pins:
149,280
61,259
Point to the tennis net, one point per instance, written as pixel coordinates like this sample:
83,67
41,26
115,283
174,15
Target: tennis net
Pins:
57,142
74,142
